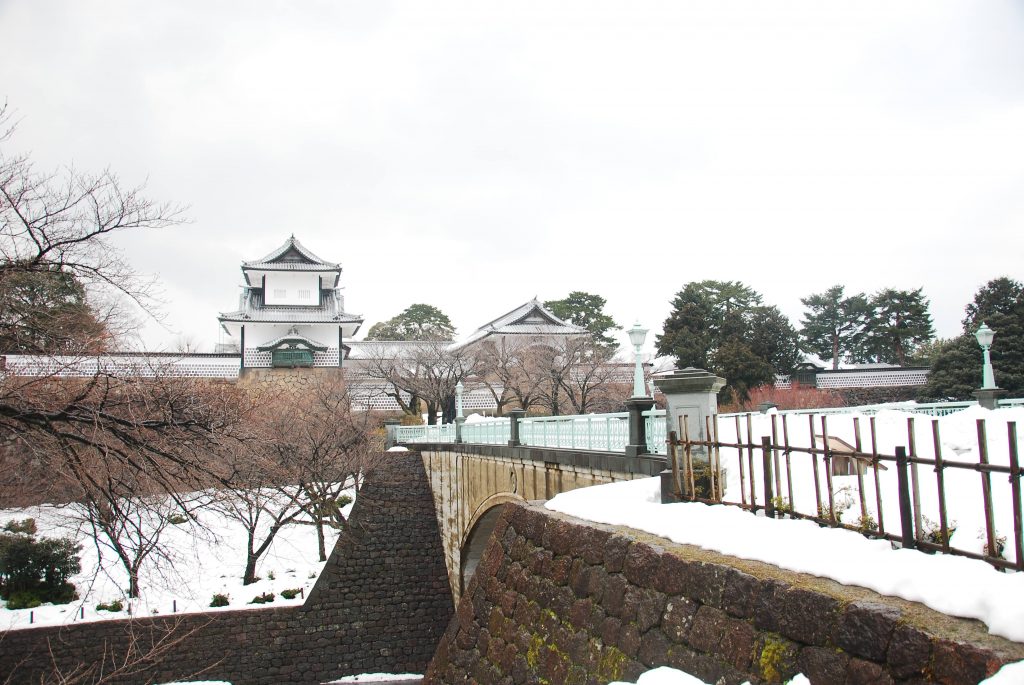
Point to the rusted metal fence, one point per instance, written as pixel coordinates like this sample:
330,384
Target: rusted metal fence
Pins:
796,468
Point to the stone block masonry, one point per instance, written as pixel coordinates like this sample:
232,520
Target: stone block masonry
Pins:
562,601
380,605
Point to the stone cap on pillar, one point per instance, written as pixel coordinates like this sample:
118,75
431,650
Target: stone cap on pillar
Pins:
688,380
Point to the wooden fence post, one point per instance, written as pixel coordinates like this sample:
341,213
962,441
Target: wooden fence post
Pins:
766,467
906,511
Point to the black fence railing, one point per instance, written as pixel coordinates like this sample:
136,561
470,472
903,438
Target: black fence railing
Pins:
916,496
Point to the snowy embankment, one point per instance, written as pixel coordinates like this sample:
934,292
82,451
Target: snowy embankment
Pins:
956,586
205,558
1011,674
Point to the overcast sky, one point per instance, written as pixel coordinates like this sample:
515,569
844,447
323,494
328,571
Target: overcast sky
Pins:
471,155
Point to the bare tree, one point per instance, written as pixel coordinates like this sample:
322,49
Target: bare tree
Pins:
591,380
426,370
64,220
306,447
515,370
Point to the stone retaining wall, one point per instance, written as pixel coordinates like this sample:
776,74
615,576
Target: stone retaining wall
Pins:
381,604
562,601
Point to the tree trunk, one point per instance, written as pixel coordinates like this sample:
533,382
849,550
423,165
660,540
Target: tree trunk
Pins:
835,352
320,538
249,577
133,583
250,570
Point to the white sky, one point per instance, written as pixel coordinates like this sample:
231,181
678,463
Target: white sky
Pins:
471,155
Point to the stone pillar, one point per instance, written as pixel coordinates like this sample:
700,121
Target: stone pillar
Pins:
637,425
459,420
692,393
989,397
391,426
513,435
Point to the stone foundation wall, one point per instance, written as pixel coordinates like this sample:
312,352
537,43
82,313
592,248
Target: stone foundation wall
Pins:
563,601
381,604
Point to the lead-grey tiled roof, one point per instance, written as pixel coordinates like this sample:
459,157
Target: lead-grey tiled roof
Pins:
274,262
293,335
253,309
530,318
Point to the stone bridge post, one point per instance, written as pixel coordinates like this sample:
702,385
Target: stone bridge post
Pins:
690,393
514,416
391,438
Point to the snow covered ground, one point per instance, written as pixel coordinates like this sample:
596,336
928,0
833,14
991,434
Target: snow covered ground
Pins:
207,560
951,584
1011,674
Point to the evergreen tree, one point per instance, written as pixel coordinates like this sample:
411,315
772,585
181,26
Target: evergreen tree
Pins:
722,326
955,372
46,312
899,323
418,322
703,314
834,325
587,310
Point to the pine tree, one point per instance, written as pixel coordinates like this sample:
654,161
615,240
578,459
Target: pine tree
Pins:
955,371
587,310
722,326
834,325
422,322
899,323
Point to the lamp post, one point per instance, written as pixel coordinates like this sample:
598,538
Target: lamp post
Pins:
639,402
637,335
459,418
988,395
985,336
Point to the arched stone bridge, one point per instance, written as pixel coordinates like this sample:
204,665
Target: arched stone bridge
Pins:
471,482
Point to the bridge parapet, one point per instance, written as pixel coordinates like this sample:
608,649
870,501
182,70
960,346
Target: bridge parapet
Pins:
589,432
471,482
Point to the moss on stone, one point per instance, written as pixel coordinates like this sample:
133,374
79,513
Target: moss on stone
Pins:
533,652
775,658
612,664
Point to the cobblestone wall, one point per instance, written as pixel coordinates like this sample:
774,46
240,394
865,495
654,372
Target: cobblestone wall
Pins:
559,600
381,604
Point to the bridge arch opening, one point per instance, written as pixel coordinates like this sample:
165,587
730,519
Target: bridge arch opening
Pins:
479,534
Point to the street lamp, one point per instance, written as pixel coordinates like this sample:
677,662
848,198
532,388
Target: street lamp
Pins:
458,399
985,336
637,335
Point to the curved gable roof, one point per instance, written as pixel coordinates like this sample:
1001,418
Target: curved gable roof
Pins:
530,318
293,255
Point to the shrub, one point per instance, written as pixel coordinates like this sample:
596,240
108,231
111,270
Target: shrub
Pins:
265,598
24,526
177,519
291,593
110,606
933,530
271,576
23,600
40,567
219,600
796,397
344,501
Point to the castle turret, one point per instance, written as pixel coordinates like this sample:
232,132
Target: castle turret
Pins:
292,312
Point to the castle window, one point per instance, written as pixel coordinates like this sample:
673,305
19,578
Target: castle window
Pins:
279,293
304,294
